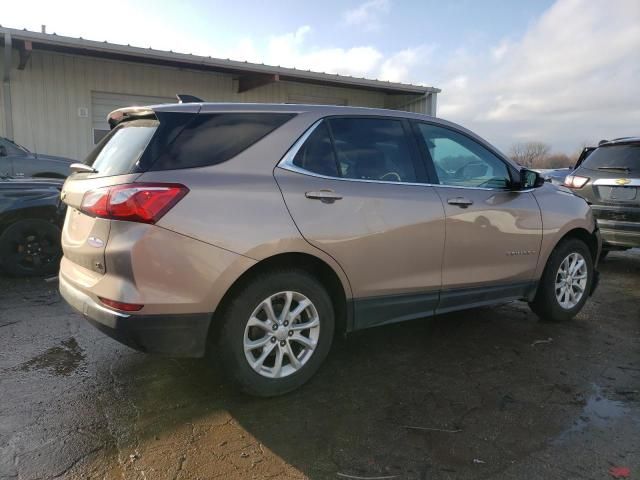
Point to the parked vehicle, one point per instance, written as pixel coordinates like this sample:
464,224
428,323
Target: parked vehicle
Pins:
609,179
31,216
257,231
555,176
18,162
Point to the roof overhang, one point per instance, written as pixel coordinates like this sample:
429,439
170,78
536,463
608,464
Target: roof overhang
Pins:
250,75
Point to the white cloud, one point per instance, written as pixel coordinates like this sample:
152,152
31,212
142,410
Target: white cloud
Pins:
367,15
400,66
574,75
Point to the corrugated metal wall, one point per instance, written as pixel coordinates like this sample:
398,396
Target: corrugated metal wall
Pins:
49,92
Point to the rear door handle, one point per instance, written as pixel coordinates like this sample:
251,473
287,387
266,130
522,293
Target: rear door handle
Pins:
460,201
327,196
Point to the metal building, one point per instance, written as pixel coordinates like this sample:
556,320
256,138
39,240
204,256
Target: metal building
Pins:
57,90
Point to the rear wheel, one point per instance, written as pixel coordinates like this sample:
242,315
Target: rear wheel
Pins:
276,332
566,282
30,248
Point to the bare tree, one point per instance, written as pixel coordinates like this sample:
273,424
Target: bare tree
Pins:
557,160
529,154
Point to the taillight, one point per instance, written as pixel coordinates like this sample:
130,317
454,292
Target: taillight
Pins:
125,307
575,181
134,202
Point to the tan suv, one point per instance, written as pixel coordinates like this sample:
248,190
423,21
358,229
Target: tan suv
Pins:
260,231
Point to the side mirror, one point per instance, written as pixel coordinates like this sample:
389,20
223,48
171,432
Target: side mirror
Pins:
530,179
3,151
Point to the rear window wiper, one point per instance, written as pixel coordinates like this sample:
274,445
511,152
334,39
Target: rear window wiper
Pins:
82,168
624,169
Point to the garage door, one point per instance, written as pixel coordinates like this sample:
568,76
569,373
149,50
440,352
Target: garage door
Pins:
103,103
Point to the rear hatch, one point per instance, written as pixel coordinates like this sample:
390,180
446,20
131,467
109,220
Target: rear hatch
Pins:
115,161
613,185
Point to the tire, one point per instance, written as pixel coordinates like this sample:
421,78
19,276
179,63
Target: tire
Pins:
546,303
267,380
30,248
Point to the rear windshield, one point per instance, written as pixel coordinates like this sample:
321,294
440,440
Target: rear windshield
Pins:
118,153
614,158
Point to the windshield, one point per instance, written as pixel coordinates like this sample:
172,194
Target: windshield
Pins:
17,145
614,158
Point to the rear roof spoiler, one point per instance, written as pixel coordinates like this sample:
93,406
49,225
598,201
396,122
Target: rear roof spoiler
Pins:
128,113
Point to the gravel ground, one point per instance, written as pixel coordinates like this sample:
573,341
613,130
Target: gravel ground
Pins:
488,393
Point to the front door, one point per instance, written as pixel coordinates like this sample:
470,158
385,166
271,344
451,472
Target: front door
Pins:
493,233
353,188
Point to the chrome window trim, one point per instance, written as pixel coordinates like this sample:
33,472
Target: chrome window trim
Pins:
287,164
612,182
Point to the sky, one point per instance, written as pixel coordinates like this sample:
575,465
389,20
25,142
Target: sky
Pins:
564,72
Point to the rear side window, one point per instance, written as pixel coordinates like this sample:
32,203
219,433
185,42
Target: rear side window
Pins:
317,154
359,148
119,152
614,158
209,139
372,149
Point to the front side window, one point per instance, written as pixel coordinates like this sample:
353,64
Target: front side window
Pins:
460,161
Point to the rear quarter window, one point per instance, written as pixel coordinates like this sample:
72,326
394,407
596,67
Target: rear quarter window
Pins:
209,139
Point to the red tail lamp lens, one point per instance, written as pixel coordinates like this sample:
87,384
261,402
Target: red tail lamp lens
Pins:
135,202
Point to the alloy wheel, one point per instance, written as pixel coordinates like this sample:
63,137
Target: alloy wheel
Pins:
571,280
281,334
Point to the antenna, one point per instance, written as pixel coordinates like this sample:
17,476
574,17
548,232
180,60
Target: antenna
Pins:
184,98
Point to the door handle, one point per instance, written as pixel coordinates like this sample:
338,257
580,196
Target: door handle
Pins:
460,201
327,196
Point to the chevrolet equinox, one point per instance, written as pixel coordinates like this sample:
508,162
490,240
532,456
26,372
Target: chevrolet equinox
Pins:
260,231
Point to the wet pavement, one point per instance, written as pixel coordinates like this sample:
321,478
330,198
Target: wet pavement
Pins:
489,393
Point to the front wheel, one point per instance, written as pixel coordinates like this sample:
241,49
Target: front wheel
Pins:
276,332
565,283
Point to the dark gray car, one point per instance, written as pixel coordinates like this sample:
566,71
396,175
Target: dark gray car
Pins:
609,179
18,162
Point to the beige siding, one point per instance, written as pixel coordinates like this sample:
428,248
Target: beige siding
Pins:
49,91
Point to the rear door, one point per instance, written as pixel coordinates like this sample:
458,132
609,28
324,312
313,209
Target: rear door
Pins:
355,189
493,234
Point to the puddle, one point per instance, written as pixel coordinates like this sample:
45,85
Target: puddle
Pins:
62,360
598,412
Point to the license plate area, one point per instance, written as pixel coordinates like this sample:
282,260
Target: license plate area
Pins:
618,194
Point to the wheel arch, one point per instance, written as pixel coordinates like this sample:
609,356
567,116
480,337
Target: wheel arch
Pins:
582,234
301,261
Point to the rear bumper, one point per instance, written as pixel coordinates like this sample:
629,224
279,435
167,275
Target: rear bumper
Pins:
620,234
618,225
180,335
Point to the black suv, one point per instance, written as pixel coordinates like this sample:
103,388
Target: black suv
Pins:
608,177
31,215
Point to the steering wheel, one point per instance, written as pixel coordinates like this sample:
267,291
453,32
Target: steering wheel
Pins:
392,174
